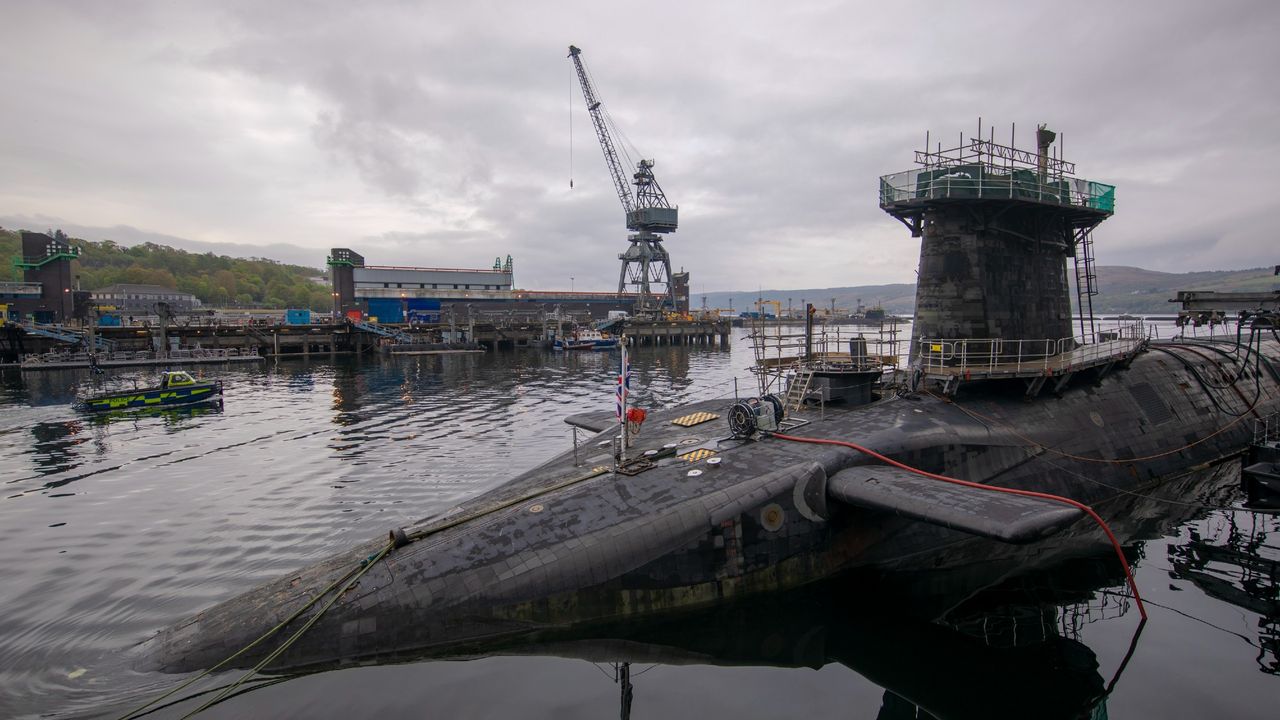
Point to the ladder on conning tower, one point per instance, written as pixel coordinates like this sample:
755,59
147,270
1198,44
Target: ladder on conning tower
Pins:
1086,283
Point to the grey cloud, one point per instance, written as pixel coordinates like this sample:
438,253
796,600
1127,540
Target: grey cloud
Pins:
439,132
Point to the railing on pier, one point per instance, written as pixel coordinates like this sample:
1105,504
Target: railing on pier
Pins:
138,356
29,289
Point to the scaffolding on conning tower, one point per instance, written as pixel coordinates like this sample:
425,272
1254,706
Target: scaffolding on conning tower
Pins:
783,356
983,170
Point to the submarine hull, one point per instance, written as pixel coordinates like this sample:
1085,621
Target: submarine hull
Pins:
567,543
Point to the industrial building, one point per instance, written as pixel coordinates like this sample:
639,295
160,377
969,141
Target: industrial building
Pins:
142,299
398,294
46,294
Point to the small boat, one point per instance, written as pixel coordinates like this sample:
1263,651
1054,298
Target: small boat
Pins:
176,388
583,339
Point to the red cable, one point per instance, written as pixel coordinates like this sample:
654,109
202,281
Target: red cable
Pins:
1011,491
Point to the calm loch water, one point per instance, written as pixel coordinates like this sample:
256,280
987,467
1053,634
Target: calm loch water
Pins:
111,528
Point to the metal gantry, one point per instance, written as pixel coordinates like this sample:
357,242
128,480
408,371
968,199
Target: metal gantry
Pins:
646,267
786,354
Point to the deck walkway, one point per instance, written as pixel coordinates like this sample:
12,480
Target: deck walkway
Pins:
955,361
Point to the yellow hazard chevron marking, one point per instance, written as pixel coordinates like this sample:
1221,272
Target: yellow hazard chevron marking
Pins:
699,454
694,419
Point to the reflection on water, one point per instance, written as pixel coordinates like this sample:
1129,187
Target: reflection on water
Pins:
1237,561
114,527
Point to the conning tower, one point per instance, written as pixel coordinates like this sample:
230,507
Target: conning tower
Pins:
996,225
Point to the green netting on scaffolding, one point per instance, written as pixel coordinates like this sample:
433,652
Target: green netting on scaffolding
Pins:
1101,197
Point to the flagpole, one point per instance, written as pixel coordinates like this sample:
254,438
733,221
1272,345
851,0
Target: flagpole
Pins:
622,400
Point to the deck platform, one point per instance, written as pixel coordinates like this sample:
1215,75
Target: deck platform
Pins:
954,361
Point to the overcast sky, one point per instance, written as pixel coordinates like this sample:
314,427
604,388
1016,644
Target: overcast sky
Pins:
438,134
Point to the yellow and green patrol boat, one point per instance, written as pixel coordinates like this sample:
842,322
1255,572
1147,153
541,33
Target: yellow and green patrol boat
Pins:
176,388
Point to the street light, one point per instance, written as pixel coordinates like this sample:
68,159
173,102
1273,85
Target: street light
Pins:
570,283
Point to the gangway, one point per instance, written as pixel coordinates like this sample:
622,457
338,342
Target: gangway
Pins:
368,327
61,334
610,325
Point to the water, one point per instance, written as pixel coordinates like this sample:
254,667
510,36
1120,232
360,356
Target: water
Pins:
114,528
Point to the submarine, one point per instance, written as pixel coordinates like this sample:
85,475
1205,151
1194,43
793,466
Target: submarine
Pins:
1006,440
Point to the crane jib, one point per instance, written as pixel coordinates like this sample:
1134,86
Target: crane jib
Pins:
647,208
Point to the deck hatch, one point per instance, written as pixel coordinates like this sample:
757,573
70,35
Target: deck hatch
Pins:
694,419
1152,405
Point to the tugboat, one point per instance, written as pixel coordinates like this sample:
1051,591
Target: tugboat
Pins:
176,388
996,444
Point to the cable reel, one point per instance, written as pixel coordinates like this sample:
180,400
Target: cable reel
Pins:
747,417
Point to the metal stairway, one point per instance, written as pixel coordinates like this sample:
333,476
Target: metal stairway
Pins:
384,332
1086,282
258,335
797,390
63,335
610,325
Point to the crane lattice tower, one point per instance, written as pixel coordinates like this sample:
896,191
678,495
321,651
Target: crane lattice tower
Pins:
646,266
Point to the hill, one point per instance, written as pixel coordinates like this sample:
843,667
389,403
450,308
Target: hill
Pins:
224,280
1134,290
215,279
1121,290
897,298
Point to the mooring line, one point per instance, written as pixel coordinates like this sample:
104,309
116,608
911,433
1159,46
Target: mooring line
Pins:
365,565
357,571
433,529
399,538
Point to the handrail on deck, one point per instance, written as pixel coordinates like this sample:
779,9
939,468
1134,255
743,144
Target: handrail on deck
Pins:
997,356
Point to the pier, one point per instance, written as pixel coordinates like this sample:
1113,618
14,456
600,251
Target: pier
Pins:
41,348
710,333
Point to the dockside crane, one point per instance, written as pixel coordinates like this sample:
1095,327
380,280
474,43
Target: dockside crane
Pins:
646,267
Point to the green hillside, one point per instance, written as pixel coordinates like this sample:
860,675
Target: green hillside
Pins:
898,298
215,279
1134,290
221,280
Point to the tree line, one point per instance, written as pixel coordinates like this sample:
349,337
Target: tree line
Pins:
214,279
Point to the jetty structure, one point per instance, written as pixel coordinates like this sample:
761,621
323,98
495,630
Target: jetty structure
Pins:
376,308
1008,438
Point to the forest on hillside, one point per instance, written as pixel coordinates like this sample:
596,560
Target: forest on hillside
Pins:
215,279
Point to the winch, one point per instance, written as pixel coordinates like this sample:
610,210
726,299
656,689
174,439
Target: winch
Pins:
746,417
